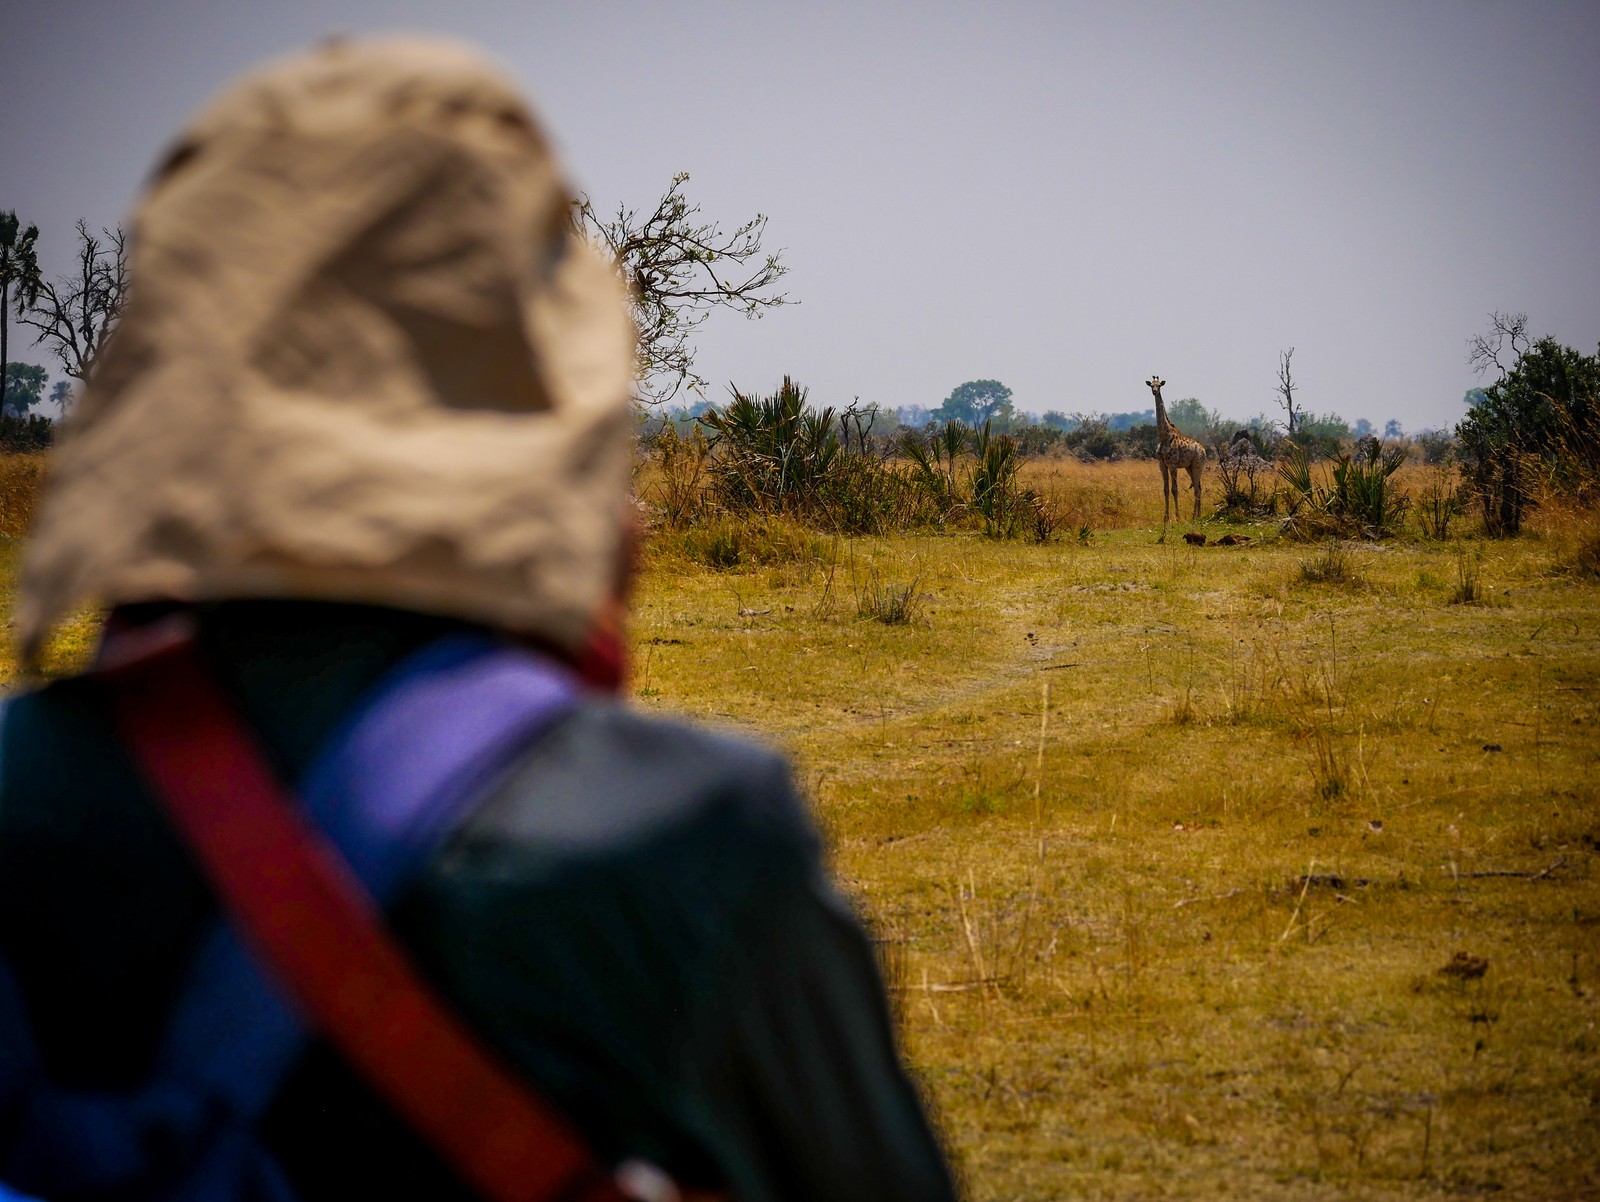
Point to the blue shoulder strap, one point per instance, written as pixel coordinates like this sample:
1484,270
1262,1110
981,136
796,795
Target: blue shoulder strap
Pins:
429,741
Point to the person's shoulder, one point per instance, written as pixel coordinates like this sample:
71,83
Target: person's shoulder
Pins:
58,724
606,778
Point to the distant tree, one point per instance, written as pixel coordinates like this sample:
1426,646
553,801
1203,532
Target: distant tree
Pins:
1392,428
977,402
1362,428
679,268
1190,416
1127,421
1323,425
1056,420
915,415
1091,436
1437,446
19,273
24,387
1286,390
60,394
76,314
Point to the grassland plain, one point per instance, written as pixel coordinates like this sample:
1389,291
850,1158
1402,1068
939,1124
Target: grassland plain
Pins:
1167,848
1176,926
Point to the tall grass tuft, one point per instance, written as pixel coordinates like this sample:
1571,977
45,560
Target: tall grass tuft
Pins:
1439,504
1334,564
893,604
1469,588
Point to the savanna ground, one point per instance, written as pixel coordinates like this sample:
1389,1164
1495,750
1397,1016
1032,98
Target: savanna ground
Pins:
1166,847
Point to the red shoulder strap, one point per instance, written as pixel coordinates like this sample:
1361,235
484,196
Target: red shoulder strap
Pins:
303,911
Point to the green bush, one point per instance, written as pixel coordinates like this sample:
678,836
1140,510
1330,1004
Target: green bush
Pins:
771,453
1535,429
33,432
1362,501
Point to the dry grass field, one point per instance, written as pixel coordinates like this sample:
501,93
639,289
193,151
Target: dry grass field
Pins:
1260,871
1256,871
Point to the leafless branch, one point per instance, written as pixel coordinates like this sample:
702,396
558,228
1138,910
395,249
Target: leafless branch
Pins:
1507,339
75,314
678,268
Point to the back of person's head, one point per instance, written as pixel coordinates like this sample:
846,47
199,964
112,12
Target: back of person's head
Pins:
366,358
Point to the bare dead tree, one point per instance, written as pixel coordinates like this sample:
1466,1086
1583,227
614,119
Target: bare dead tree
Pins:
678,269
1286,389
76,314
1507,338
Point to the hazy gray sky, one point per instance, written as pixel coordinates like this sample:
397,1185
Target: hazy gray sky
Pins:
1065,197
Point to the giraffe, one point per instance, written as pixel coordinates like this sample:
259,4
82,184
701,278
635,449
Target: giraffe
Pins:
1173,451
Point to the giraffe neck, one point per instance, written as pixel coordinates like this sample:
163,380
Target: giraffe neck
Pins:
1164,427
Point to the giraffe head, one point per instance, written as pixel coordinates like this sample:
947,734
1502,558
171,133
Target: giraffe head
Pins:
1156,383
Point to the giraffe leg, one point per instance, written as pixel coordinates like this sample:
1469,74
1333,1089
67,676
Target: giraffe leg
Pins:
1194,475
1166,474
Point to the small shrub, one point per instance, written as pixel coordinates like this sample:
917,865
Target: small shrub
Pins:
1183,711
1437,446
1038,440
1363,488
1362,500
994,484
771,454
1245,477
887,602
1333,565
20,434
1330,768
678,491
864,494
1093,438
933,458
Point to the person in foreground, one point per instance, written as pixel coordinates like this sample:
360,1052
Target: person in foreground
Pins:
352,476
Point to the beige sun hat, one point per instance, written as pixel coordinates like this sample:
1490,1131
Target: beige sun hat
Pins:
366,358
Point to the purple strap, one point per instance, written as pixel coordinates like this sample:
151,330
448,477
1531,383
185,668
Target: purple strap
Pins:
426,745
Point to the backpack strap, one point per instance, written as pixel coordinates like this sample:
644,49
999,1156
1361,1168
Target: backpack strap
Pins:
305,911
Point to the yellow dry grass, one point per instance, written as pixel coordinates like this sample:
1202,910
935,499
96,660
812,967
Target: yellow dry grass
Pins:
1167,847
21,477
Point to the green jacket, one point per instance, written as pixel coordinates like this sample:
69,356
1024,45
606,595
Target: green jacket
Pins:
637,919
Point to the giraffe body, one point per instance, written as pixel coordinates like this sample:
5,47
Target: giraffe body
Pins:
1175,452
